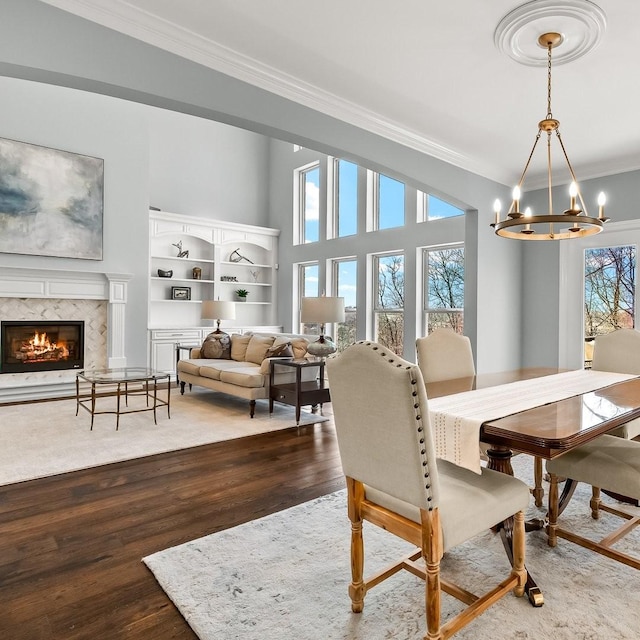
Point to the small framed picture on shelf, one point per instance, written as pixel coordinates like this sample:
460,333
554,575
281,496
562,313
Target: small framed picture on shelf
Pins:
181,293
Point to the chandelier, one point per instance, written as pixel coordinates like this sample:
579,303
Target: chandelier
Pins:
575,221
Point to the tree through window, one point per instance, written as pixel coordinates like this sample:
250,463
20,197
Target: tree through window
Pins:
609,292
444,295
389,309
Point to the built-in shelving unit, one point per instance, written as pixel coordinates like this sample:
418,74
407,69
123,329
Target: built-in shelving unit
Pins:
229,256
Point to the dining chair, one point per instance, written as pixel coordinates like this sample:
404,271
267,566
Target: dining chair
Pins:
394,482
447,355
619,351
606,463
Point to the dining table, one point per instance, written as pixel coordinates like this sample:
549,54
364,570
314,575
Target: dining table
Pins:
544,431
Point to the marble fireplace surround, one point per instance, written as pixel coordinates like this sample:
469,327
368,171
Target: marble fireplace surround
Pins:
33,286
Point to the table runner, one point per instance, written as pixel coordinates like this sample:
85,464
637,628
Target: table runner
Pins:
456,419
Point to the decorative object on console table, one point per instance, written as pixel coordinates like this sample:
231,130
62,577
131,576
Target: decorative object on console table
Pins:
57,210
181,293
322,310
241,294
218,310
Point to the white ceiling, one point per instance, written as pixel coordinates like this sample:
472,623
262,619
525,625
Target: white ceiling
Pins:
423,72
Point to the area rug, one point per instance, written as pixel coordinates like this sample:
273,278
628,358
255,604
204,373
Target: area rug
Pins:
286,576
47,438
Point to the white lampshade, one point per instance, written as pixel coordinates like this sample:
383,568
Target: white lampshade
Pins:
218,310
322,310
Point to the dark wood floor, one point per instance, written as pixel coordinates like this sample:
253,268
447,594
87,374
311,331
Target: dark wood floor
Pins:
71,545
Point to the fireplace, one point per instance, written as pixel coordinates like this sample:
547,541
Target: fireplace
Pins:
41,345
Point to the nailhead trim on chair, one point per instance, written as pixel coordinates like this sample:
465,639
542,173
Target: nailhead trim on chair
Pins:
416,407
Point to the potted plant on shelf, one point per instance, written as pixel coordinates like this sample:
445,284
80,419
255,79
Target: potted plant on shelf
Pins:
242,294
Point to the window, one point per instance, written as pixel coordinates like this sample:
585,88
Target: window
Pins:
308,199
609,292
444,288
345,280
389,301
390,203
432,208
308,283
345,198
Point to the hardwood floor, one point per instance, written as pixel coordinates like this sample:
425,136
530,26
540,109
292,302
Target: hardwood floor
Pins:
71,545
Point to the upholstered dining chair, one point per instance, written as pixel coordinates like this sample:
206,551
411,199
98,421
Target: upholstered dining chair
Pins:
608,463
619,351
394,481
447,355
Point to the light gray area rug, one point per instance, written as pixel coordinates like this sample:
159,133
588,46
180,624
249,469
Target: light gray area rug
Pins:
286,576
46,438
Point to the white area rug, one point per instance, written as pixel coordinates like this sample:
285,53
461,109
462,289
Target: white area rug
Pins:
286,576
46,438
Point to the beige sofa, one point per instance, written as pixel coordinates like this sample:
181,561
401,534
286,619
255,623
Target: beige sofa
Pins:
241,363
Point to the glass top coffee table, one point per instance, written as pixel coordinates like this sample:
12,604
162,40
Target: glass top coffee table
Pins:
122,383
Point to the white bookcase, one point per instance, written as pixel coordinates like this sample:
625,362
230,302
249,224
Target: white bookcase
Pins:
229,256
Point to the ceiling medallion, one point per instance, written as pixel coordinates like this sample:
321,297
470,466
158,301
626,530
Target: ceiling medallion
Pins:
581,23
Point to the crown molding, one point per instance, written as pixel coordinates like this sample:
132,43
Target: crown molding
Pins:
121,16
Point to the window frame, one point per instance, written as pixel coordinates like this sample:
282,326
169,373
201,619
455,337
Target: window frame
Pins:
300,194
426,309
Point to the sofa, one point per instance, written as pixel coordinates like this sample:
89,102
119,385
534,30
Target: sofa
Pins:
239,364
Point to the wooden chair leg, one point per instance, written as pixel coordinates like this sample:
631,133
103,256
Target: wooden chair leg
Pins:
357,588
519,553
553,511
595,502
432,552
537,491
252,407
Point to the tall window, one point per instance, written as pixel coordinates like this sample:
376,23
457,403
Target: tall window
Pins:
609,292
308,283
389,301
390,202
308,188
345,278
444,288
346,198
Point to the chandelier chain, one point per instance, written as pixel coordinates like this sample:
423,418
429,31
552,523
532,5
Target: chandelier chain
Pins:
549,115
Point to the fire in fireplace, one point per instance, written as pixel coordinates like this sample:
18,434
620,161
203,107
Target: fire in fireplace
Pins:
41,345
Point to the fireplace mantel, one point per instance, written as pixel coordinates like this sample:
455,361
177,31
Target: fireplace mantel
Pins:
20,282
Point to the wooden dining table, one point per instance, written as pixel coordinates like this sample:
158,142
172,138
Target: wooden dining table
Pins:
546,431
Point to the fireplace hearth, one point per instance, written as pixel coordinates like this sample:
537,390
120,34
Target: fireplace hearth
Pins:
41,345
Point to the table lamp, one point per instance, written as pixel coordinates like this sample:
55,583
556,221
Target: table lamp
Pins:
218,310
322,310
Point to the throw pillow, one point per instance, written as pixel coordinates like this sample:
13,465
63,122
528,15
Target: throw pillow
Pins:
216,345
257,348
282,350
239,347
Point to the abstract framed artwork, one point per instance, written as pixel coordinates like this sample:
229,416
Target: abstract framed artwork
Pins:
51,202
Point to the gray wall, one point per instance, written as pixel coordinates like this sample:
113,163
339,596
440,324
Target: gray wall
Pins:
40,42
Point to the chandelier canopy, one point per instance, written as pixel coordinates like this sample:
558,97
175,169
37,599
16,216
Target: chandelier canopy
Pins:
573,222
